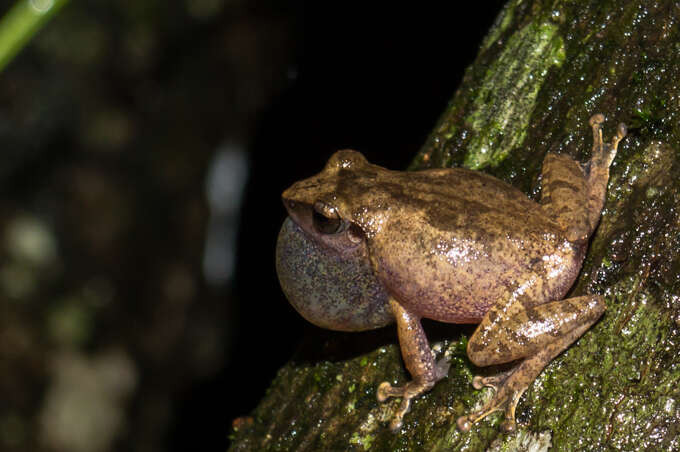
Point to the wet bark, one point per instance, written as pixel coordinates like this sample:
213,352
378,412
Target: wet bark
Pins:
542,71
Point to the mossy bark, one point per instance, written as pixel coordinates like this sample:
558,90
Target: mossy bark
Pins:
543,69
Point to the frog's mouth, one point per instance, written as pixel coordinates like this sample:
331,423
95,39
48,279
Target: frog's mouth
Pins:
333,289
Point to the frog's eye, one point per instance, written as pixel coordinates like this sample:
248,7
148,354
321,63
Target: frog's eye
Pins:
326,220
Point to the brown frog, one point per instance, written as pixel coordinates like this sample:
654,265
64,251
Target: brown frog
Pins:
364,246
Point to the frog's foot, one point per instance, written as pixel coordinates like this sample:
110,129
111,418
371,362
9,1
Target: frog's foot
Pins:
604,153
509,387
508,392
409,391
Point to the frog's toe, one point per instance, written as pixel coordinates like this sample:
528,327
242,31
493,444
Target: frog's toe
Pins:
493,382
604,153
506,398
596,120
408,392
509,425
621,132
478,382
386,390
464,424
398,418
395,424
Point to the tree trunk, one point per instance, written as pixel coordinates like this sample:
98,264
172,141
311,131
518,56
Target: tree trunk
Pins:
543,70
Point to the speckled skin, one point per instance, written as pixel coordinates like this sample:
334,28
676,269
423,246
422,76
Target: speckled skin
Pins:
451,245
343,294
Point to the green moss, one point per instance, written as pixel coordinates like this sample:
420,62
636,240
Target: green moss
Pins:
503,21
616,396
363,441
502,106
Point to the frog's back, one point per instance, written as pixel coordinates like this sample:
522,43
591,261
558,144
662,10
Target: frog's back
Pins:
459,187
463,240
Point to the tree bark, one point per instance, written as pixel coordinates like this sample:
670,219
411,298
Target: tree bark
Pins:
542,71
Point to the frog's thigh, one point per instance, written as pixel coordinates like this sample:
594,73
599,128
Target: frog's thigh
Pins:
564,191
506,335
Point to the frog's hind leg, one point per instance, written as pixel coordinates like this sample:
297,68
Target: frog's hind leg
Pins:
573,193
535,334
597,169
564,188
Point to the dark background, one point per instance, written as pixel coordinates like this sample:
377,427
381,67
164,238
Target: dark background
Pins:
110,120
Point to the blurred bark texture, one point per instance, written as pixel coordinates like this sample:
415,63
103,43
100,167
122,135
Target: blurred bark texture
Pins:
543,70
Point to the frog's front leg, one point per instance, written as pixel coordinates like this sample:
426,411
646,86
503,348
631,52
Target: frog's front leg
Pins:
535,333
418,359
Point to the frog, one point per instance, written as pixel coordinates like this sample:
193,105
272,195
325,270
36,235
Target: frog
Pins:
364,246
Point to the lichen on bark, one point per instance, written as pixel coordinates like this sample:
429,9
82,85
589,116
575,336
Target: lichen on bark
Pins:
507,94
617,387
